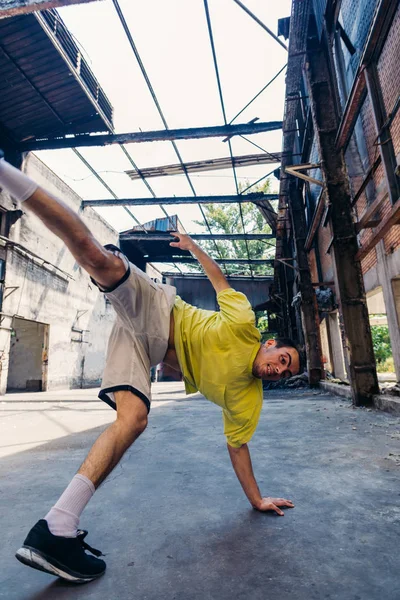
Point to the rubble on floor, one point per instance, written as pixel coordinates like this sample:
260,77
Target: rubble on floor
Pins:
297,382
388,388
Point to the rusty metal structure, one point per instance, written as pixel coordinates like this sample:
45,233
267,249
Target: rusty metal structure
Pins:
339,206
12,8
48,27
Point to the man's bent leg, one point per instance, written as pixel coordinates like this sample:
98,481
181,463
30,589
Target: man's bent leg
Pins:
109,448
48,549
106,452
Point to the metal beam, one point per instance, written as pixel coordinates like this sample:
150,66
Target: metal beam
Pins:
315,223
257,197
261,278
226,261
295,171
163,135
13,8
165,237
212,164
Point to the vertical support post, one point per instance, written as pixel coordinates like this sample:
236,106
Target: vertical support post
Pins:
347,270
309,310
290,197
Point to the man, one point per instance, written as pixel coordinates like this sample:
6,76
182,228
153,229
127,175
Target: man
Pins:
219,354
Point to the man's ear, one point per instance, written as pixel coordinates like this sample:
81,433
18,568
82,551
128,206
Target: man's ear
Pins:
270,343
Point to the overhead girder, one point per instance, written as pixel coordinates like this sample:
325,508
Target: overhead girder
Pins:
166,237
162,135
13,8
225,199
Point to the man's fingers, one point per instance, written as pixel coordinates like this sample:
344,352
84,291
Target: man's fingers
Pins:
175,234
286,503
278,510
283,502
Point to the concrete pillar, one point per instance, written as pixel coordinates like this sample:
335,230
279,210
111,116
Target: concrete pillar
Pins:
389,296
336,346
5,336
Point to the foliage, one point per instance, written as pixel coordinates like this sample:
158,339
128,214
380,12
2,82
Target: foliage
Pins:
262,325
381,343
226,218
387,366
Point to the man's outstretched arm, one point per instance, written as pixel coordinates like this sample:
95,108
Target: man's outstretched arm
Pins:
212,270
241,462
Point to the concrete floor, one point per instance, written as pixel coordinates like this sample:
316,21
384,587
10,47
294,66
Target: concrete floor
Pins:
172,518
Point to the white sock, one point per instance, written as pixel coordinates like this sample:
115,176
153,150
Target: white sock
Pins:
63,518
15,182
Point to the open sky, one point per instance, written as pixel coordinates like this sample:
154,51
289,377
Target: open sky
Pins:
172,39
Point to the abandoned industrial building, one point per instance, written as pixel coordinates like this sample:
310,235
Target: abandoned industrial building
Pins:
300,209
336,225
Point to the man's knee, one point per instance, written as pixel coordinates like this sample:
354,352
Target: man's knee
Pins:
131,414
132,424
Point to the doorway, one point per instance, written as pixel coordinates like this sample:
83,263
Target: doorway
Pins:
28,356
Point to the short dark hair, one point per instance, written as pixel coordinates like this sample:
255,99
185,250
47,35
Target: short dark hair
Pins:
282,342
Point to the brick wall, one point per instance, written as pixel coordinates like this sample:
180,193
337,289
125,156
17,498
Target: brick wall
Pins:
363,149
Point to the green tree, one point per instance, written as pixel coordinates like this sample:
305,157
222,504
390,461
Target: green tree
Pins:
381,343
226,218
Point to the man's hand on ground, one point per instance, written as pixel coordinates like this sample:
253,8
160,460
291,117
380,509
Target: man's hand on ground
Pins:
184,242
266,504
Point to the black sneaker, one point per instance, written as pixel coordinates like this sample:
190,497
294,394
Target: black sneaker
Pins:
60,556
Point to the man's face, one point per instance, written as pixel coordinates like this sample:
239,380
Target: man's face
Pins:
272,363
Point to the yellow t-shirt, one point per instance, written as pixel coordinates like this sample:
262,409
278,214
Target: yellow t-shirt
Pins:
216,351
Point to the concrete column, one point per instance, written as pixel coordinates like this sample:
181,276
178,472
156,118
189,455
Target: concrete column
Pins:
335,339
389,297
5,336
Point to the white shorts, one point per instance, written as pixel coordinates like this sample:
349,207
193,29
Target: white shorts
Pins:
139,338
